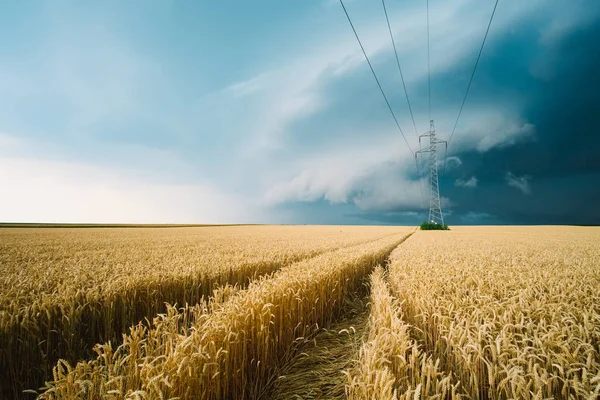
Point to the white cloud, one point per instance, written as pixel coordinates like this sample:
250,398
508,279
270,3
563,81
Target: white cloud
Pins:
373,178
251,86
11,142
380,176
452,162
37,190
279,97
332,178
519,182
505,136
575,16
488,128
386,193
470,183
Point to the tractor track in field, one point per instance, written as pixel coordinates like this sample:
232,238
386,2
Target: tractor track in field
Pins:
318,368
316,372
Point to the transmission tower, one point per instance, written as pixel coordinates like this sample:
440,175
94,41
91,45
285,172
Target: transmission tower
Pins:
435,207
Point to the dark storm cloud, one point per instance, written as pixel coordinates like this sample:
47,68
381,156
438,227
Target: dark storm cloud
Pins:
549,177
562,161
525,148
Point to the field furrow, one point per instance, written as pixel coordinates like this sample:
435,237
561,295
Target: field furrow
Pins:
236,350
317,371
391,364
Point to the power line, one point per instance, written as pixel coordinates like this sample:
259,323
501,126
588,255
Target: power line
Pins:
406,93
474,69
399,68
428,63
375,76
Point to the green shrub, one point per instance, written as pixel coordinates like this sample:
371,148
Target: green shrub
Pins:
432,226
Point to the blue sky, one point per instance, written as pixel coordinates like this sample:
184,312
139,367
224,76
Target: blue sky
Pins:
229,112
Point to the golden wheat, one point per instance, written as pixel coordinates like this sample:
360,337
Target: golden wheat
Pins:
63,290
234,351
511,312
391,365
488,313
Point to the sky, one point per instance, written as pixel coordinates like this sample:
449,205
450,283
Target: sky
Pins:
267,112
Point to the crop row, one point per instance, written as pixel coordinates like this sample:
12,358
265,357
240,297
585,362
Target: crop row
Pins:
391,364
234,351
498,312
64,290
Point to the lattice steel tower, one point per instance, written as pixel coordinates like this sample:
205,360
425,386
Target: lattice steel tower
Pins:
435,207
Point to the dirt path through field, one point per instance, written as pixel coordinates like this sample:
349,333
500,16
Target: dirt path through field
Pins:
317,370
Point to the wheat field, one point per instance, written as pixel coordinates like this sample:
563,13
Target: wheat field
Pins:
63,290
491,312
306,312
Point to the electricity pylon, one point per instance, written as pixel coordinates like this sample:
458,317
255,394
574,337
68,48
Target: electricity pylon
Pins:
435,207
